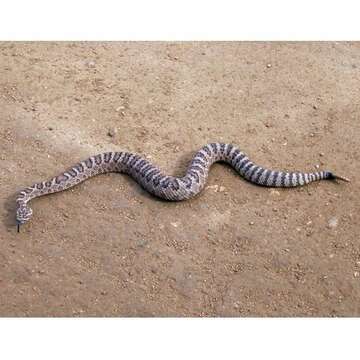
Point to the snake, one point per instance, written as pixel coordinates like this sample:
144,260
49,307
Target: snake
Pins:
172,188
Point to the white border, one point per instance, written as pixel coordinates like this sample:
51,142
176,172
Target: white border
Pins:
180,20
179,339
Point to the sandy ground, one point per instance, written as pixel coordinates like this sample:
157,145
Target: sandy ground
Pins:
107,248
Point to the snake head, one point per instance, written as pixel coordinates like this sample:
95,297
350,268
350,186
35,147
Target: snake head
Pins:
23,214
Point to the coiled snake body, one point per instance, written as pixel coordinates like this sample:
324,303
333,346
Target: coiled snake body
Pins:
167,187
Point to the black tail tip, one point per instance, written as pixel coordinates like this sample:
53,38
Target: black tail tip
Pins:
331,176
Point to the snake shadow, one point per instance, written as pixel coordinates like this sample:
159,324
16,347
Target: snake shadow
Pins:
9,220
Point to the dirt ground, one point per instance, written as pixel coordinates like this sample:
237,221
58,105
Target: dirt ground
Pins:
107,248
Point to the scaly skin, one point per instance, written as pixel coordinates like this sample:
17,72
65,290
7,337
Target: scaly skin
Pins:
166,187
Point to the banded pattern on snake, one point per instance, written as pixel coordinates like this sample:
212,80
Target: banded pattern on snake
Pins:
167,187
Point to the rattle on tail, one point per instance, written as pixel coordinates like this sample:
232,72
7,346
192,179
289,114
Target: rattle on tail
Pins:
166,187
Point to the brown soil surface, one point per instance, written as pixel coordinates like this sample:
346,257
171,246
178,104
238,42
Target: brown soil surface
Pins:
107,248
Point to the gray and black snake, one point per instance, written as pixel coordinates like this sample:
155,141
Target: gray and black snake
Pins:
167,187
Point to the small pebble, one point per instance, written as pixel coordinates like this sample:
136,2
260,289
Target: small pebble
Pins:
142,242
50,128
321,154
316,166
251,223
268,66
315,107
91,64
213,187
333,223
103,292
111,132
356,274
119,108
274,192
